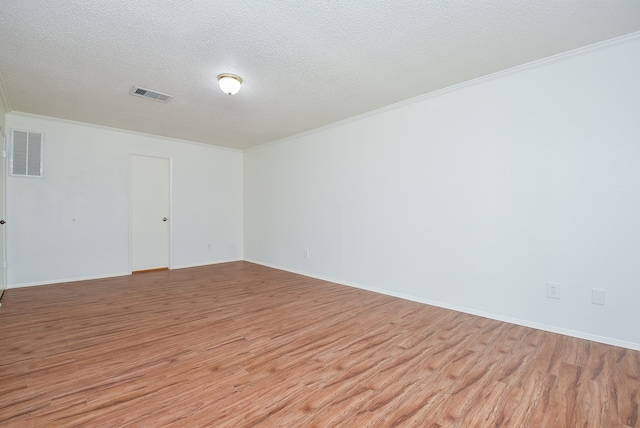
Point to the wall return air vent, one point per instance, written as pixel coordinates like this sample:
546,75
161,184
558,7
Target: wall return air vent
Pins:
148,93
26,153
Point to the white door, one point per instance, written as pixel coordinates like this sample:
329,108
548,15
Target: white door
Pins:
3,259
149,191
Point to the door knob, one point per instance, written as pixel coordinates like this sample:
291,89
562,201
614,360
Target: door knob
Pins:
164,219
2,222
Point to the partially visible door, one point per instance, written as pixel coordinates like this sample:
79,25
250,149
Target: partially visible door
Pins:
3,259
149,191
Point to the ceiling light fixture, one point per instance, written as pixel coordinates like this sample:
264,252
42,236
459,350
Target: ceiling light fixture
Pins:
229,83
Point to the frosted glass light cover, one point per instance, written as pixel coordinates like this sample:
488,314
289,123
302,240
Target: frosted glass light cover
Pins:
229,84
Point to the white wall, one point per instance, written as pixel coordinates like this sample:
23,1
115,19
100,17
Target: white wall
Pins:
3,107
86,172
3,112
473,198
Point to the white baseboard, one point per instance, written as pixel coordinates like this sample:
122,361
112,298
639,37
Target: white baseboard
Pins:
59,281
205,264
471,311
113,275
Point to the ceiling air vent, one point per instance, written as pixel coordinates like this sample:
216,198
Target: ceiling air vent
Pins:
152,95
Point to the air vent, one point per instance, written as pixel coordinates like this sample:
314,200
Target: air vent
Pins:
152,95
26,154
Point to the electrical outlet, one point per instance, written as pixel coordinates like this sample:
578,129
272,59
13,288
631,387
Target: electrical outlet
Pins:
553,290
306,253
208,246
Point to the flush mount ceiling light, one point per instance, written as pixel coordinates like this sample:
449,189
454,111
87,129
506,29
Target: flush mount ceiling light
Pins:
229,83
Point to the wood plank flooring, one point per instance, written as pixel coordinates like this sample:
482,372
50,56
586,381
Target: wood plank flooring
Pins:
242,345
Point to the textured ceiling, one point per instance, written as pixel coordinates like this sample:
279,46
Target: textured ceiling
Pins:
304,64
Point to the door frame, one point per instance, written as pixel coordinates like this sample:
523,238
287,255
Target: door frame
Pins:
3,210
170,173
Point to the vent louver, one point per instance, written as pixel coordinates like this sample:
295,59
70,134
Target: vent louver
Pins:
152,95
26,154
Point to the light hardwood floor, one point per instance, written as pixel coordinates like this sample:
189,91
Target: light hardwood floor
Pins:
242,345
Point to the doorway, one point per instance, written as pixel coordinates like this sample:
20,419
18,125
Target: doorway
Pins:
149,192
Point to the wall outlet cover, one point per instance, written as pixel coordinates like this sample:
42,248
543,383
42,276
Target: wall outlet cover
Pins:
553,290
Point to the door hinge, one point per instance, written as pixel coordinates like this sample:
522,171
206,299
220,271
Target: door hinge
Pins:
4,153
4,264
